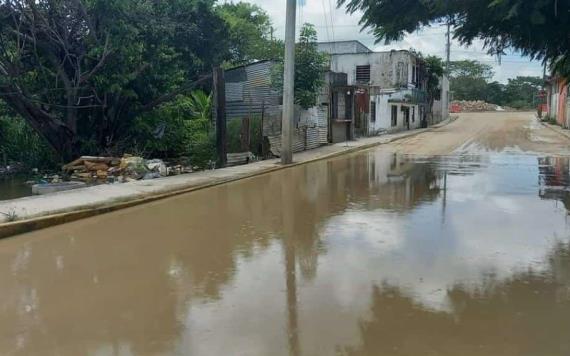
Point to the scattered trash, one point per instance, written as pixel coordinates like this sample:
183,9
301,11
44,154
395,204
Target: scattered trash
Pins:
157,166
89,169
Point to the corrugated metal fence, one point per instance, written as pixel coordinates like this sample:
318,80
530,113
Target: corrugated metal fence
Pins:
311,129
249,90
249,94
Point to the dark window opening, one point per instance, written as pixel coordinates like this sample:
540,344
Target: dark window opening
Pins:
394,115
373,111
363,74
413,114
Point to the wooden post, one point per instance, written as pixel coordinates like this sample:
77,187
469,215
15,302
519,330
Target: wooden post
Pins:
220,114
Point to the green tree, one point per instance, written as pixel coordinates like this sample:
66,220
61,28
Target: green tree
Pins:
310,66
80,72
435,70
468,79
471,69
521,92
538,29
250,33
495,93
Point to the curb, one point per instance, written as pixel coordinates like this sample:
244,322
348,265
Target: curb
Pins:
11,229
556,129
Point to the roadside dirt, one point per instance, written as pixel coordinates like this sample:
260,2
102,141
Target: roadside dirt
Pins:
487,132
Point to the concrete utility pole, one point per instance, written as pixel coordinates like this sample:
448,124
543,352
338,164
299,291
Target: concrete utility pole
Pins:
448,47
288,85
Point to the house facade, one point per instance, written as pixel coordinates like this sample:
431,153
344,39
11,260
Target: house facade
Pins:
395,84
558,101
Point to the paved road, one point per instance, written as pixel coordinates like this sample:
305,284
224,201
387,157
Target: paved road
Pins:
481,132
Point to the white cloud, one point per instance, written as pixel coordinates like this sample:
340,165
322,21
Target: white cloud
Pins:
428,41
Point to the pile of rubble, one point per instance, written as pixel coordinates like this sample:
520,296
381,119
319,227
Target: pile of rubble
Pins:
118,170
474,106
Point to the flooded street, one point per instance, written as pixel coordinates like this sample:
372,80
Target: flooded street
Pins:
452,242
14,187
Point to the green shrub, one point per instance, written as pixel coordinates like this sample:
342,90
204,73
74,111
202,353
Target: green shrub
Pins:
179,129
234,135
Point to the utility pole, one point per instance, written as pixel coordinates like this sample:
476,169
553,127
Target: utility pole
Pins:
448,47
288,85
220,114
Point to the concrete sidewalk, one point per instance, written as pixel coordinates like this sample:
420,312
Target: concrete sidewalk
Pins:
38,212
560,130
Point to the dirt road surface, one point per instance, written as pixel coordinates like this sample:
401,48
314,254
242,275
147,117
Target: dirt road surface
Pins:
475,133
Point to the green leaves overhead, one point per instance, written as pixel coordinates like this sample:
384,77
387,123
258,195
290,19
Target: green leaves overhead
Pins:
537,29
250,33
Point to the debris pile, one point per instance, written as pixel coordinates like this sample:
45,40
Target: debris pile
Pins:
112,169
474,106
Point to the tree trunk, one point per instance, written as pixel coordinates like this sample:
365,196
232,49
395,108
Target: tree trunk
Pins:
54,131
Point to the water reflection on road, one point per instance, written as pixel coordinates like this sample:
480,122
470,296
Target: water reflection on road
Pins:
363,255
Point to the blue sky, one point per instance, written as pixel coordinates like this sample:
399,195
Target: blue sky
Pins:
336,24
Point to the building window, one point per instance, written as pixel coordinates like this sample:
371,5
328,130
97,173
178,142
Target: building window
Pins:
413,114
414,81
373,111
363,74
394,115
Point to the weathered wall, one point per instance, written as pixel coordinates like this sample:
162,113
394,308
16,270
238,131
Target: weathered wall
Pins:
383,122
440,108
562,101
387,69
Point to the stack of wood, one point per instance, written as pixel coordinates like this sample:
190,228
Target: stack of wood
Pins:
88,168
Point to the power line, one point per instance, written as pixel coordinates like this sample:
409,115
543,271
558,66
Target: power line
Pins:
331,9
325,19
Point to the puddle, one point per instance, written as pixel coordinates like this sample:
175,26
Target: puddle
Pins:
367,254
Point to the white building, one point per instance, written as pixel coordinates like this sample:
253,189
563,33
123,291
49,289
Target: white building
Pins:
395,81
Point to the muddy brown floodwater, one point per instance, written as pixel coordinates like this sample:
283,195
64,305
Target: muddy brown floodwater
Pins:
375,253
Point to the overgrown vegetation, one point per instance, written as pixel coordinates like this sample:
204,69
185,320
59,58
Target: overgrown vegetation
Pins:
105,78
245,135
181,128
20,144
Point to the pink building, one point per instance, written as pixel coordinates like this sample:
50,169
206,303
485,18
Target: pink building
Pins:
558,100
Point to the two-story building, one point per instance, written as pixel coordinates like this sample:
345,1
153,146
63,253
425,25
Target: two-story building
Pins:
395,82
